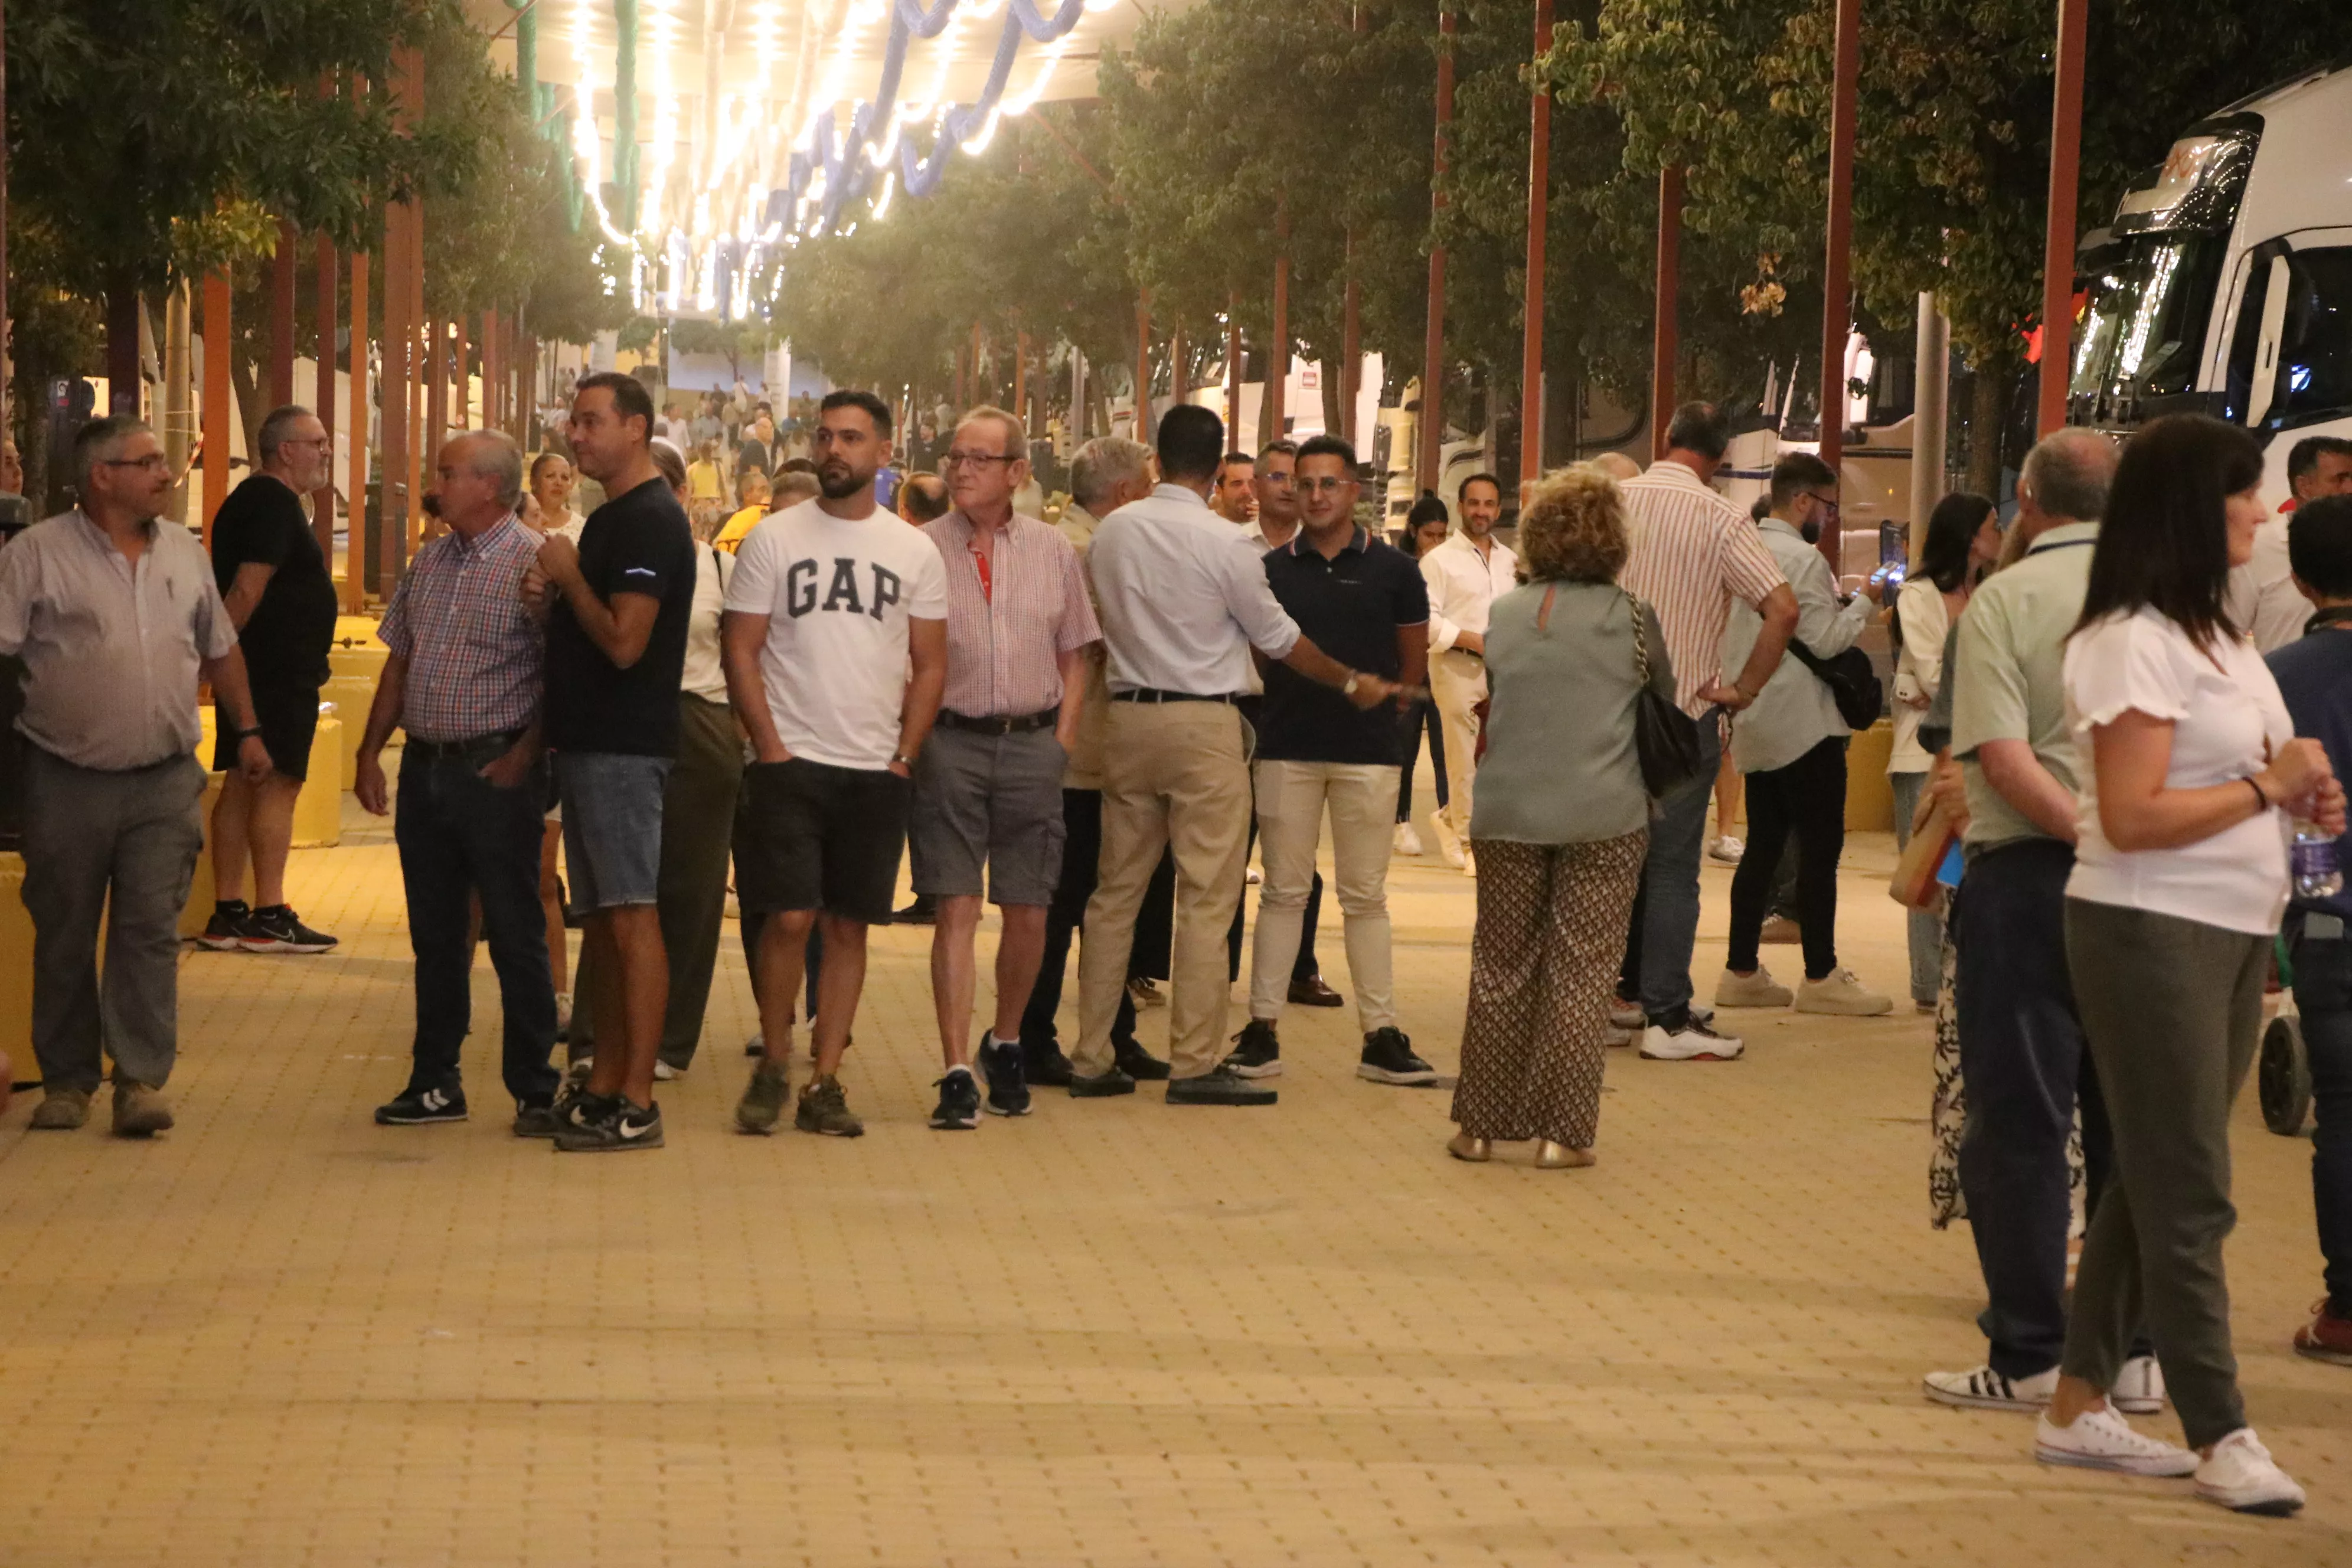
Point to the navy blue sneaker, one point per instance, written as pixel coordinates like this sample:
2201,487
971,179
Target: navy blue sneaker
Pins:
1008,1083
959,1107
421,1107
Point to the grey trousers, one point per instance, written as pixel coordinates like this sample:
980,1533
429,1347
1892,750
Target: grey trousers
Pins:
2173,1010
121,845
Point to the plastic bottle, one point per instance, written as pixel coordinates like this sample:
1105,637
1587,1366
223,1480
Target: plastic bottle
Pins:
2312,859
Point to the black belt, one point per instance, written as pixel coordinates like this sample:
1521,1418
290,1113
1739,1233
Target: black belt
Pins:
999,723
429,750
1149,694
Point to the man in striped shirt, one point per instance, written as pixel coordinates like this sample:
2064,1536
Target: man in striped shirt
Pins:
1694,553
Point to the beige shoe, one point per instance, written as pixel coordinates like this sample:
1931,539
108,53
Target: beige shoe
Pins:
1469,863
1756,990
1449,843
1780,929
140,1111
1842,992
62,1110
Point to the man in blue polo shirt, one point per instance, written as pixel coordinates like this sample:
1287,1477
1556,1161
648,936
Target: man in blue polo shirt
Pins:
1318,752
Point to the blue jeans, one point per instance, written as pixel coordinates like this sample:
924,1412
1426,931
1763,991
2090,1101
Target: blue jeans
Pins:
1921,928
459,834
1665,926
2323,996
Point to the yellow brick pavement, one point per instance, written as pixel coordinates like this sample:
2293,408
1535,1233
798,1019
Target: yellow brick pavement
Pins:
1114,1333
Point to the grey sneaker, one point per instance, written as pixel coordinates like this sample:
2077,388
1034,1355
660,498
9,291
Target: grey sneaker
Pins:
824,1109
763,1099
62,1110
140,1111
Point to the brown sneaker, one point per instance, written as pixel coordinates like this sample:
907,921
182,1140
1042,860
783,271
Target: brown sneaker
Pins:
2326,1337
824,1109
62,1110
140,1111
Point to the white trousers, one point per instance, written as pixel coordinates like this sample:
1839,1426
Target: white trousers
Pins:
1292,799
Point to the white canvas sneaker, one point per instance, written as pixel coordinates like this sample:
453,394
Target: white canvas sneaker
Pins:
1694,1042
1842,994
2242,1476
1407,841
1725,850
1449,843
1985,1389
1757,989
2103,1440
2139,1387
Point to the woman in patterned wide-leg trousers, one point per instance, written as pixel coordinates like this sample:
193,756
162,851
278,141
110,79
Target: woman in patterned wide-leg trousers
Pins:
1543,964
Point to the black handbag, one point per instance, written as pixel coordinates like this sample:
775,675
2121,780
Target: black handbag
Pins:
1666,739
1852,682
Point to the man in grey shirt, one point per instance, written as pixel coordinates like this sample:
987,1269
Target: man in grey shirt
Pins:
117,618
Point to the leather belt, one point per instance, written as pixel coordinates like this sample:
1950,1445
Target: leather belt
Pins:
503,739
999,723
1150,694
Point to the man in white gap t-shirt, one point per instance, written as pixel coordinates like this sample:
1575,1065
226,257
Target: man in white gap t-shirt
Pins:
835,648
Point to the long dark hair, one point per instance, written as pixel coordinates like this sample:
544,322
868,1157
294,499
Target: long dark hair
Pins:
2164,542
1944,555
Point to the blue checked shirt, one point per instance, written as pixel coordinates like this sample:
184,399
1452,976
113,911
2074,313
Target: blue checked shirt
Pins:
475,658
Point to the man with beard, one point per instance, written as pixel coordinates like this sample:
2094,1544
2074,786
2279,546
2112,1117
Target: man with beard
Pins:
835,647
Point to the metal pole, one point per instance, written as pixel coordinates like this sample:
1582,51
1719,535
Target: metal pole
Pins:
1931,374
1666,339
281,316
323,500
2058,258
1531,356
217,396
1278,373
1431,425
355,512
1837,315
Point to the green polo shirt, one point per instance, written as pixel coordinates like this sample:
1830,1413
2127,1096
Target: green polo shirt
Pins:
2007,683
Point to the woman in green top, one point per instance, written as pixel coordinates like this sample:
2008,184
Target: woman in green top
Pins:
1559,826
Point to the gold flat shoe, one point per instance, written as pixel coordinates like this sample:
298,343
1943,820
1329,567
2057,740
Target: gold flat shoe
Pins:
1552,1156
1478,1151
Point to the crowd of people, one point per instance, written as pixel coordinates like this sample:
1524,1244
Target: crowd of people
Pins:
1084,720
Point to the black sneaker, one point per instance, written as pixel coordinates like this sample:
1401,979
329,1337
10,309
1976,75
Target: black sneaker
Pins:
419,1108
1043,1065
1388,1058
1138,1063
1115,1081
1256,1053
1008,1086
1220,1086
824,1109
959,1108
619,1124
230,927
279,929
923,912
535,1122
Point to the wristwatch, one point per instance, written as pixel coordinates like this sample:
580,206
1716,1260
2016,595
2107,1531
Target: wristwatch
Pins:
903,760
1347,687
250,735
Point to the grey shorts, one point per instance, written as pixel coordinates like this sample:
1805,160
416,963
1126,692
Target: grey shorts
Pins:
992,801
612,826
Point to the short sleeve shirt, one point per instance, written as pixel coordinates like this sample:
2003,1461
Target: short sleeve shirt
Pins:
2315,677
286,637
1352,606
636,542
2004,675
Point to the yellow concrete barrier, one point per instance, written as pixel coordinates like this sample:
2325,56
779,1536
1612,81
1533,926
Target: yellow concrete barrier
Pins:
1869,798
318,809
16,968
354,663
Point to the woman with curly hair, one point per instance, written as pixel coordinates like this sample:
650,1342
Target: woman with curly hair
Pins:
1559,826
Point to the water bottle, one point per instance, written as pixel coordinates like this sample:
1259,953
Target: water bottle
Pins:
2312,859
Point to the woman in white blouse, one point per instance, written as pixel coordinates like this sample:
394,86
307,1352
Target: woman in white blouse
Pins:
1963,539
2179,879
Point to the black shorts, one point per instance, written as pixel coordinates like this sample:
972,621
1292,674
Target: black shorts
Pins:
813,836
288,716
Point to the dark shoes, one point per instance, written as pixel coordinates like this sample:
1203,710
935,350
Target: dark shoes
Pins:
1043,1065
1312,993
959,1107
1138,1063
1115,1081
923,912
1219,1087
421,1108
1388,1058
601,1126
824,1109
1256,1053
763,1105
1008,1089
232,923
535,1122
277,929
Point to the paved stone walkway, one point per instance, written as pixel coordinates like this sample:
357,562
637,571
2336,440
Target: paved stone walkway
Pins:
1112,1333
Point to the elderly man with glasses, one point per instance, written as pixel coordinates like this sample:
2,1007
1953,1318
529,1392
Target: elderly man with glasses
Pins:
117,619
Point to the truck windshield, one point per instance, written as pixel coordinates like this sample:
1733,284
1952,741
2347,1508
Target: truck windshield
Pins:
2144,327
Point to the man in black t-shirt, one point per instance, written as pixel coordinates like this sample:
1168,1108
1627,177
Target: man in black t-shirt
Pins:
273,577
615,654
1365,605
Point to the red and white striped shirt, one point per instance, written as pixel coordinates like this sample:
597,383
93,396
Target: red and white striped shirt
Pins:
1006,632
1693,553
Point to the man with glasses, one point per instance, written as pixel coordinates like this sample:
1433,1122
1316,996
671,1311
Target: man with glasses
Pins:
1790,744
273,578
988,785
117,618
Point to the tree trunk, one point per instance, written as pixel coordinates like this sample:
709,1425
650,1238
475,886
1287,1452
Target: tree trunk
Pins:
1986,406
123,348
244,365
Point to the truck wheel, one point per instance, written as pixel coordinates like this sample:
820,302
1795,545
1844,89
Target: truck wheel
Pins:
2285,1081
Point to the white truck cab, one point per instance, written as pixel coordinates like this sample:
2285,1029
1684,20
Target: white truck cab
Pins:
2224,285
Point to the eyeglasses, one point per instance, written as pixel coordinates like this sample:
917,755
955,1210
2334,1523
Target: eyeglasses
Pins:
974,459
152,460
1326,486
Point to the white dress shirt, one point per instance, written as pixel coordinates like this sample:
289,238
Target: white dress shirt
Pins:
1183,597
1795,711
1463,585
2261,599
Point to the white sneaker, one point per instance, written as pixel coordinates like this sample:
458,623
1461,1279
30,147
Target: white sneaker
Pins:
1725,850
2139,1387
665,1073
1985,1389
1694,1042
2103,1440
2242,1476
1449,843
1407,841
1839,992
1615,1035
1255,877
1757,989
1623,1014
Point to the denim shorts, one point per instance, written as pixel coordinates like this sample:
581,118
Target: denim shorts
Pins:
612,827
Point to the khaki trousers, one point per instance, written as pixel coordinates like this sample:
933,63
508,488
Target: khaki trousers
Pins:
1175,776
1457,683
1291,800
